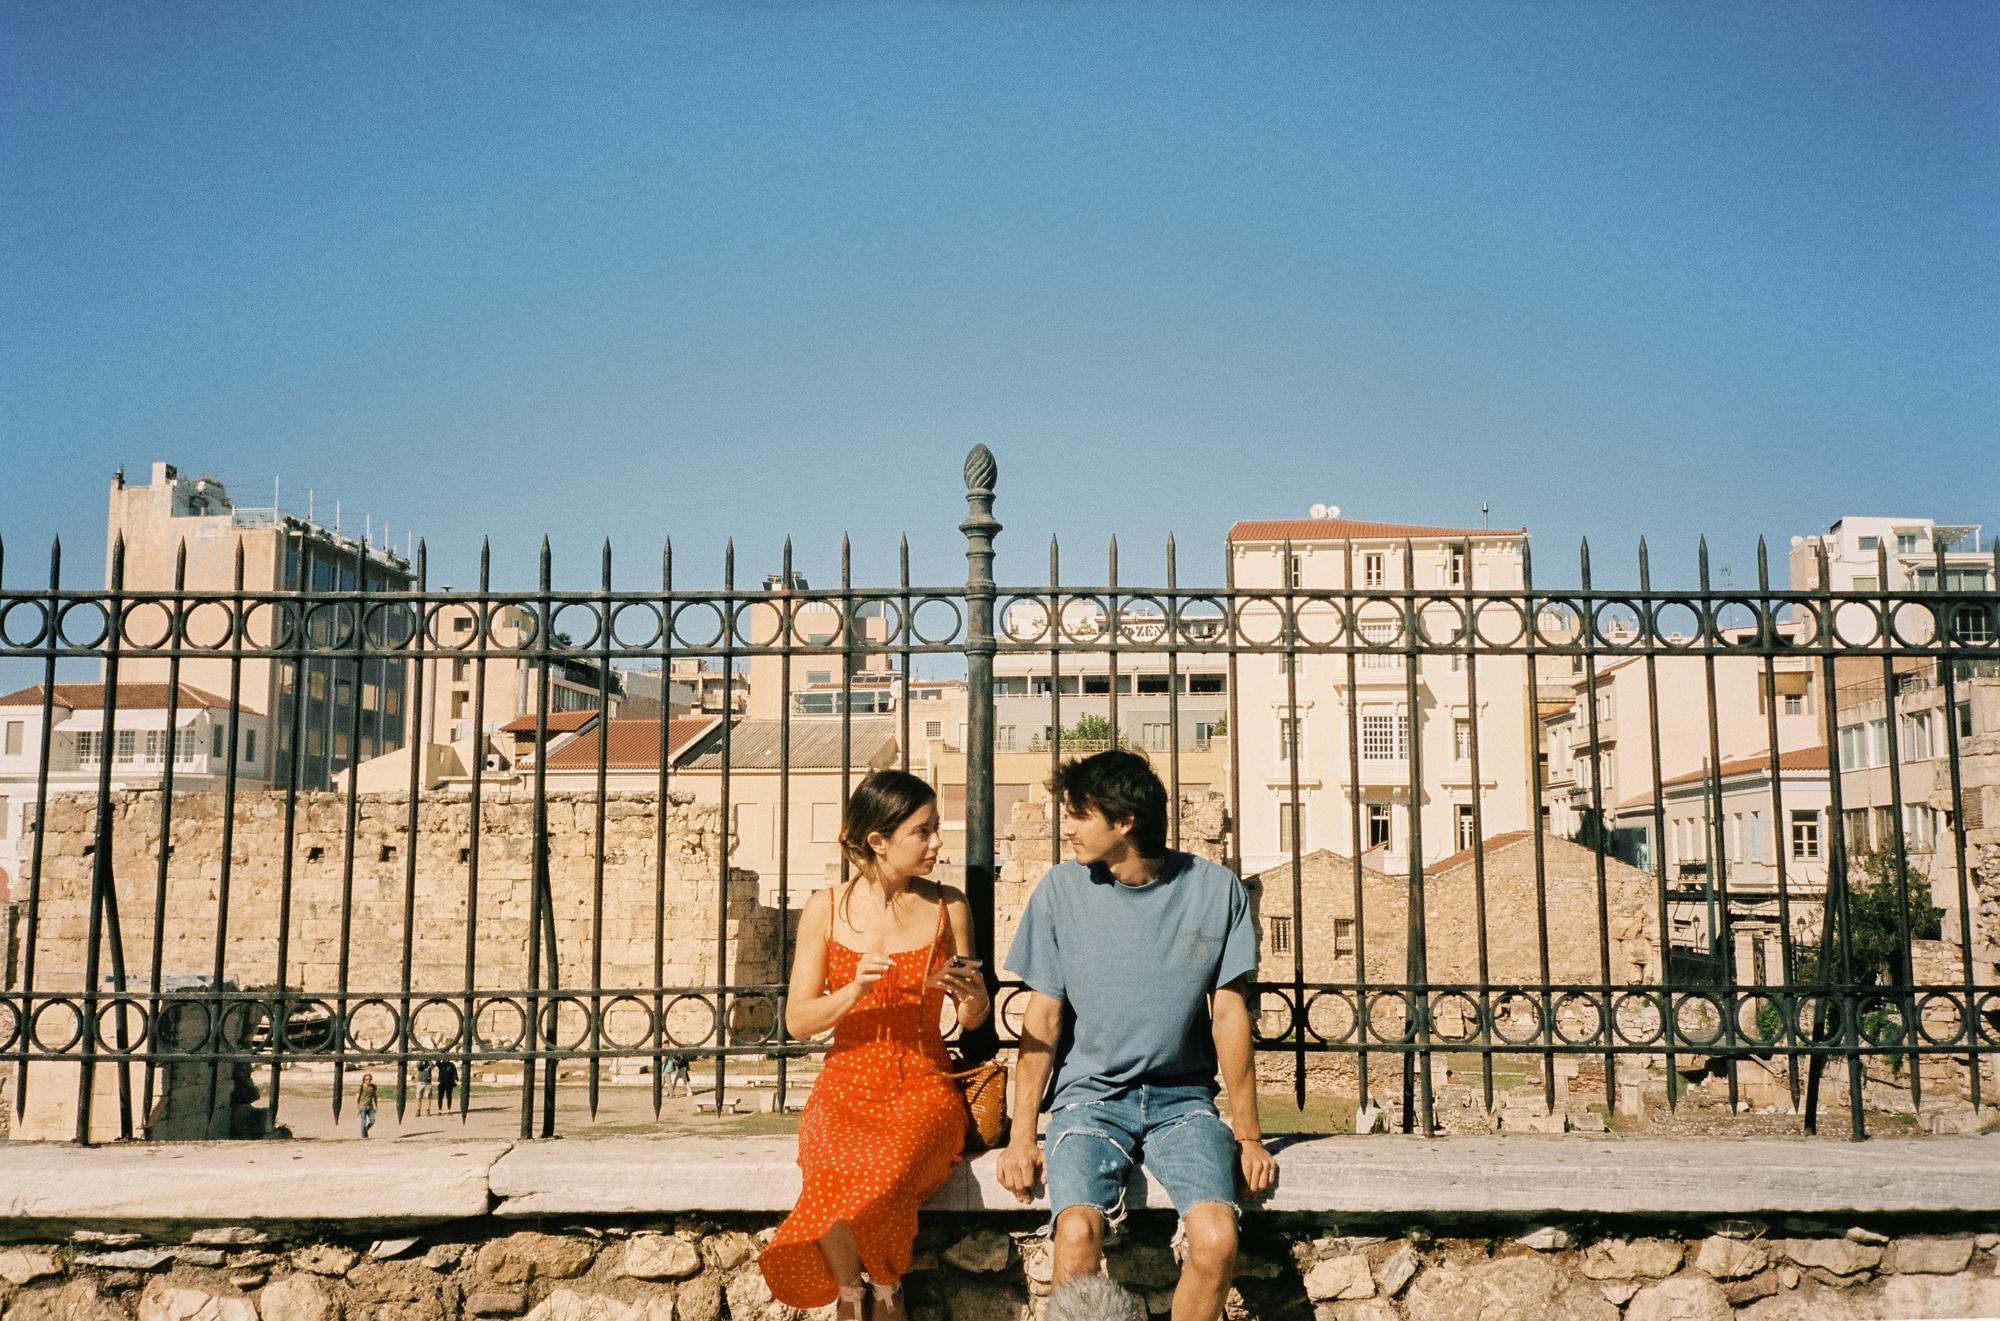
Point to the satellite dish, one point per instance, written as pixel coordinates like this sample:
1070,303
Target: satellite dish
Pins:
1796,541
1333,511
1318,511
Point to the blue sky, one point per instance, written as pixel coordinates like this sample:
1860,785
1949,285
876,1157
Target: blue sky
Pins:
715,270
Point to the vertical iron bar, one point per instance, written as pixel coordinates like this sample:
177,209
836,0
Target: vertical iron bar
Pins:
1767,630
1478,811
1947,668
1589,622
302,603
908,631
1113,626
787,635
608,614
101,872
1170,631
979,528
52,633
1530,630
483,616
1722,938
175,628
1650,639
1234,621
238,635
1055,697
1292,741
1361,1017
1418,1030
341,1024
538,887
1900,858
661,809
730,607
419,749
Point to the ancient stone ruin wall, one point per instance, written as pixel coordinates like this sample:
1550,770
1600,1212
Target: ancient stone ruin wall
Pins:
984,1268
375,903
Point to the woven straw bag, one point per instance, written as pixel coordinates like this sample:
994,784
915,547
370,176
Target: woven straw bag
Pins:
984,1086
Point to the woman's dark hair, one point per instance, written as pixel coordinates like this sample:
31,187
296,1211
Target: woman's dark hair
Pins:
1124,787
883,801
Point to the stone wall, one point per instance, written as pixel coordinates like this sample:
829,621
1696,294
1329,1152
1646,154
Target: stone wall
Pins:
438,915
972,1267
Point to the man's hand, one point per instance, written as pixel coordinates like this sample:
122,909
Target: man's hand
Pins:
1260,1167
1021,1168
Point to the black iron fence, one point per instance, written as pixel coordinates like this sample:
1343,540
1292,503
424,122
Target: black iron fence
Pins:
1482,822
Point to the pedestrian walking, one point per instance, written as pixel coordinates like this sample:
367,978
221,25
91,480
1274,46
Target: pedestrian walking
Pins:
364,1102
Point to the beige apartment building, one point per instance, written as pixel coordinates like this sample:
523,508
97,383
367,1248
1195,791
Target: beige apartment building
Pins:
1291,560
513,685
1609,763
352,710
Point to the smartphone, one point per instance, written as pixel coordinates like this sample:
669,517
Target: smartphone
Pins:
964,963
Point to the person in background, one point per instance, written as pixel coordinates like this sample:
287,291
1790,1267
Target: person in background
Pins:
426,1074
364,1102
447,1076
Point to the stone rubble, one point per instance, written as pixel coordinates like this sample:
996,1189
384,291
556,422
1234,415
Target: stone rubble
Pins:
977,1267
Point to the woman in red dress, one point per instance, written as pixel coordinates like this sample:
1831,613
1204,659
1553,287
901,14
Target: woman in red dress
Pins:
884,1124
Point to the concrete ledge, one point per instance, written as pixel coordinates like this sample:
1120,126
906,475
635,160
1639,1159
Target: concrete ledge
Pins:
411,1183
394,1183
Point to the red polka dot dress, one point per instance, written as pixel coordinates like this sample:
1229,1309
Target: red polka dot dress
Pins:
881,1130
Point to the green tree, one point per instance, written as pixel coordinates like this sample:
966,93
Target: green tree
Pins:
1089,729
1875,937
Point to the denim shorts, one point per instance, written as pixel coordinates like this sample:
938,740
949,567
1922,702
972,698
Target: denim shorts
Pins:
1174,1132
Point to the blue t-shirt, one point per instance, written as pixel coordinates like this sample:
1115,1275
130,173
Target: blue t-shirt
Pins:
1133,965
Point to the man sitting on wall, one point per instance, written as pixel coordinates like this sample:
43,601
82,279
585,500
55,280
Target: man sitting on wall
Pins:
1136,958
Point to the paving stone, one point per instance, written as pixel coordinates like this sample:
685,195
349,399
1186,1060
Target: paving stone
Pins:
108,1238
1930,1256
1836,1256
519,1258
26,1265
1689,1297
1548,1238
1339,1278
325,1259
1629,1259
1730,1258
166,1301
298,1298
1395,1271
982,1252
659,1257
210,1257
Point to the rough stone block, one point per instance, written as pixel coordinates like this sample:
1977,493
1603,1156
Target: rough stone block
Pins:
298,1298
1836,1256
1339,1278
659,1257
982,1252
519,1258
26,1265
167,1301
1729,1258
1626,1259
1690,1297
1929,1256
1395,1271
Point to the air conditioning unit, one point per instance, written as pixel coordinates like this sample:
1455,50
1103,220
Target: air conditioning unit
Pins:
495,762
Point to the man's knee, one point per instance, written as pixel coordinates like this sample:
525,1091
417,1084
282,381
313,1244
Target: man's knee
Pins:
1209,1237
1080,1229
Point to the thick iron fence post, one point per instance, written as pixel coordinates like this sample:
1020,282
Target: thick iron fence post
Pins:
979,527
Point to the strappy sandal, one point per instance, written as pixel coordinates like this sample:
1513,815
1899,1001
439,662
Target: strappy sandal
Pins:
884,1296
852,1304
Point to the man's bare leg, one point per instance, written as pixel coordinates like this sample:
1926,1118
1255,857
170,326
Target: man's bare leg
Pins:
1208,1261
1079,1241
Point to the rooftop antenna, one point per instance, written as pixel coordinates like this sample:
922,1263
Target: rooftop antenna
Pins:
309,504
276,488
336,518
1484,510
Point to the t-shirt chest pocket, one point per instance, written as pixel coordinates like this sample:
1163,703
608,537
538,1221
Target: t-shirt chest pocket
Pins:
1193,950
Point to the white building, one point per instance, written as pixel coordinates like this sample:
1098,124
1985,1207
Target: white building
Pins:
138,745
1291,559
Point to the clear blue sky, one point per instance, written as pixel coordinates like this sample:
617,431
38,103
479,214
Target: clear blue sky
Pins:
713,270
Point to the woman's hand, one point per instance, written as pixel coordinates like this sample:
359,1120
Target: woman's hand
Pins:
967,989
868,970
